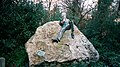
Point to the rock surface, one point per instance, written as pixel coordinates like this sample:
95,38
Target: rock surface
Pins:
68,49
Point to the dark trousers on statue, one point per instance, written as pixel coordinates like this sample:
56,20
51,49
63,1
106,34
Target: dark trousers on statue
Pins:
65,26
61,32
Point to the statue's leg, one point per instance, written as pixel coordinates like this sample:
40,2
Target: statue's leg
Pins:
60,34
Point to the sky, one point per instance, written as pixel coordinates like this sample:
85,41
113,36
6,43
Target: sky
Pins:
87,4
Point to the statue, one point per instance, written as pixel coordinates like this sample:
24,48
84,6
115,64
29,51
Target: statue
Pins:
66,24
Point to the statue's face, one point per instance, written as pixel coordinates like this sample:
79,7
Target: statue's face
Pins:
63,15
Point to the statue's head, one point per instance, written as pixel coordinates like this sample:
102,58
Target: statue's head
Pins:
63,15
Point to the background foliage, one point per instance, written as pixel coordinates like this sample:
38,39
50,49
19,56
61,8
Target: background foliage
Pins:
18,22
101,30
104,33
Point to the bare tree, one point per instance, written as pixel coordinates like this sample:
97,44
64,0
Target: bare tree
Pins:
80,9
119,8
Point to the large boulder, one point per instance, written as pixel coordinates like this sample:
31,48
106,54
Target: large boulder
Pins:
68,49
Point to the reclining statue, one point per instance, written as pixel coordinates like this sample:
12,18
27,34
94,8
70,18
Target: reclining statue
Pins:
66,24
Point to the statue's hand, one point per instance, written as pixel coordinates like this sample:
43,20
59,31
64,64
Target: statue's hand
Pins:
72,35
61,23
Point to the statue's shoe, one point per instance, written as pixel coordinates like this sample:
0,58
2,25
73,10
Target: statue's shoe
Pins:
55,40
